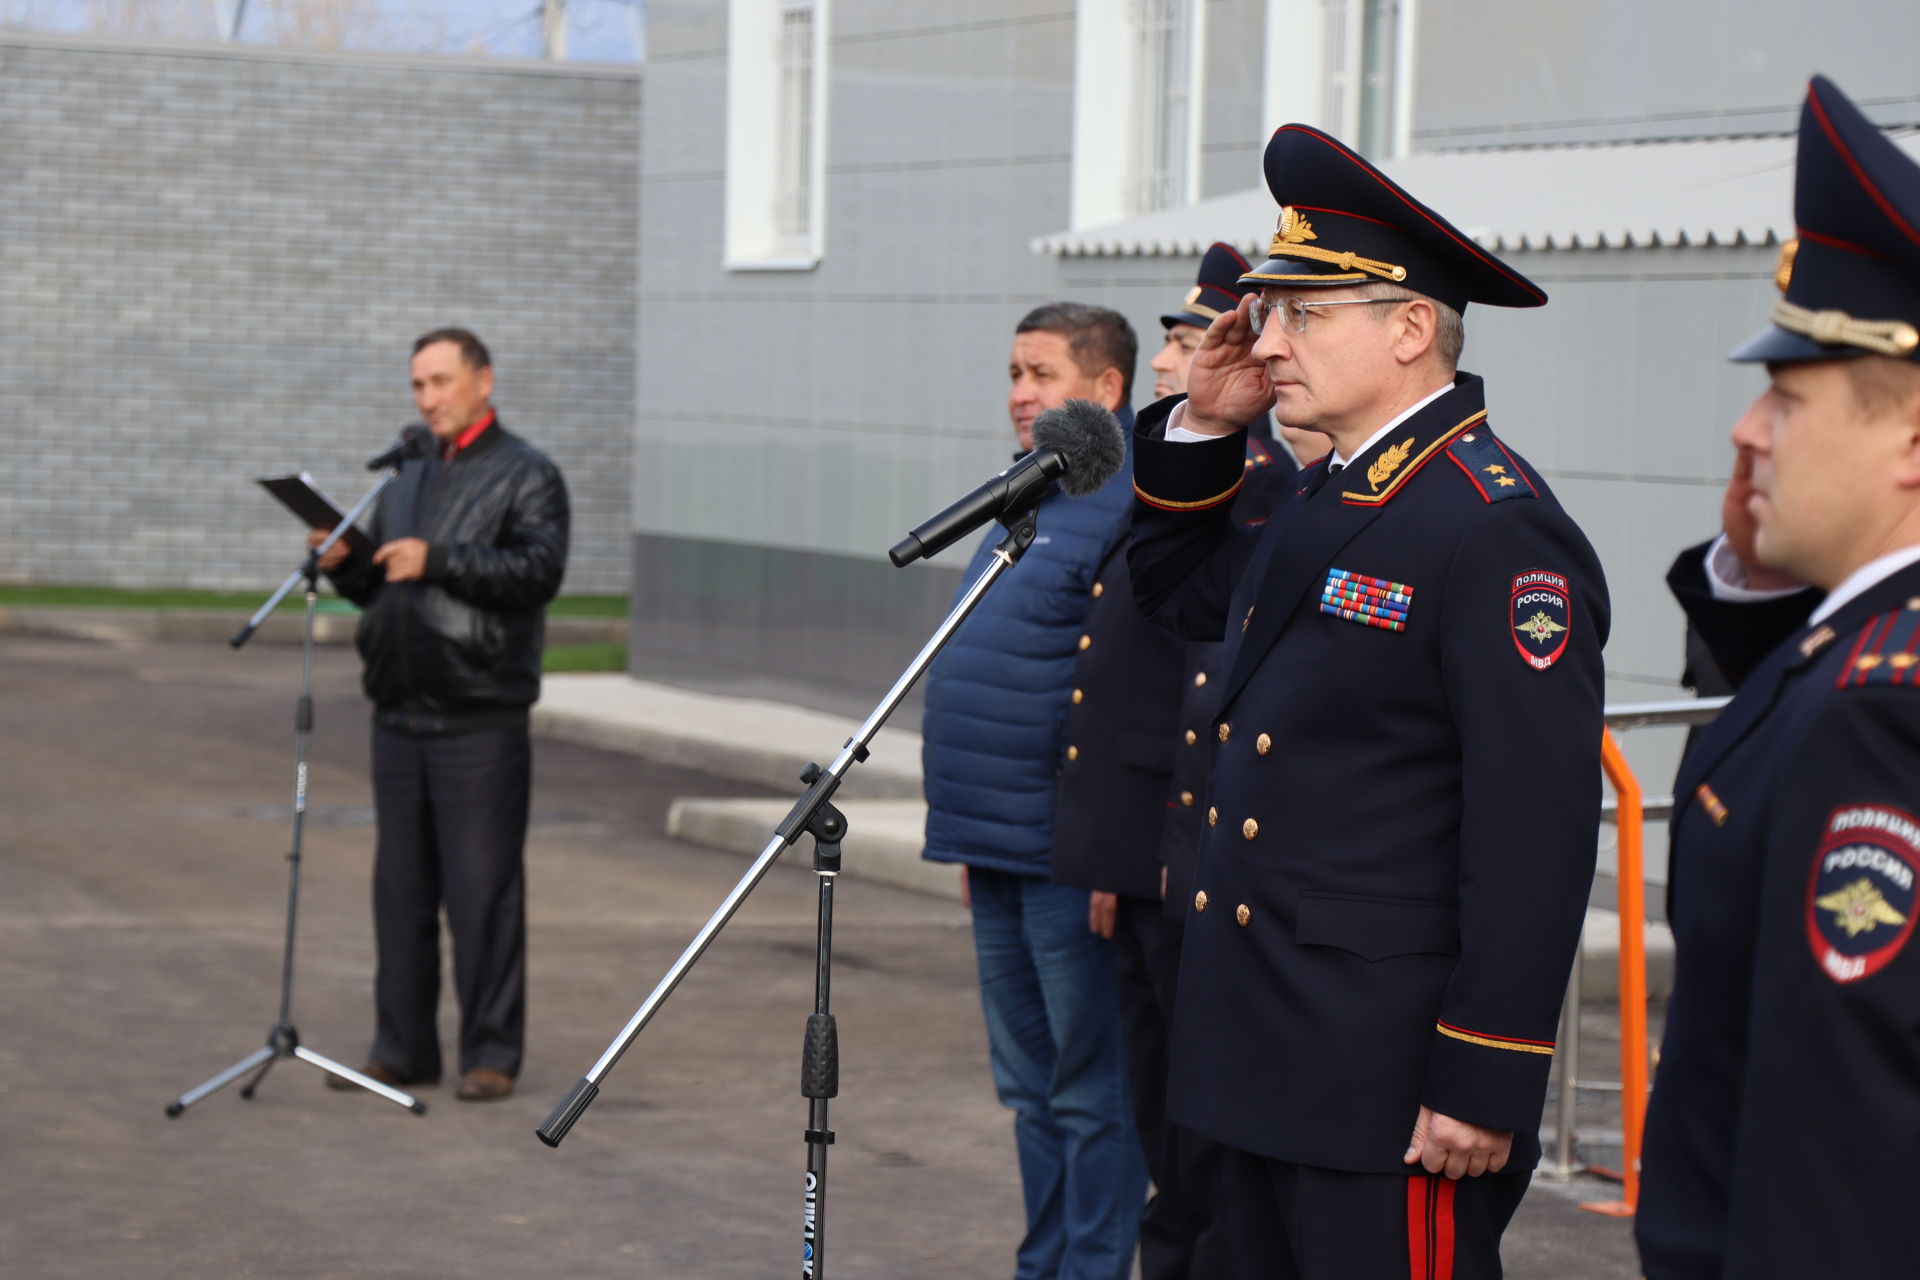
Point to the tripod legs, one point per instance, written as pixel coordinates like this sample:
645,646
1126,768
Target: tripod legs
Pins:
221,1081
284,1042
366,1082
246,1090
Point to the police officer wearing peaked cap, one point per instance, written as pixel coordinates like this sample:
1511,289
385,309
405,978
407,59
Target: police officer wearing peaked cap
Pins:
1785,1115
1269,471
1405,784
1124,793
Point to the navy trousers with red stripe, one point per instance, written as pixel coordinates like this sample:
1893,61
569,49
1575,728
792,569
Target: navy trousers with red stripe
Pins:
1295,1222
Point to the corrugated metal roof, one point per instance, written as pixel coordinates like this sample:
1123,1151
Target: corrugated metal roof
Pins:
1710,191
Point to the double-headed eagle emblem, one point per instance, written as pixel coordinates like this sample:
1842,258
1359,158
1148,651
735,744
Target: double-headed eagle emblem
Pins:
1859,908
1540,627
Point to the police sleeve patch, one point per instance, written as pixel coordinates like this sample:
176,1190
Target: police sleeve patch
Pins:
1860,894
1541,617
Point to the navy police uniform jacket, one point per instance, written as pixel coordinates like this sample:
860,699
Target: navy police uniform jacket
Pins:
1269,479
997,694
1784,1127
1404,793
1123,731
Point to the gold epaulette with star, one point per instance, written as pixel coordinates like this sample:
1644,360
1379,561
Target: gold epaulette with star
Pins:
1886,652
1490,467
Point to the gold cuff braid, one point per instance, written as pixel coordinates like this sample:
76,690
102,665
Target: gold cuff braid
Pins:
1830,328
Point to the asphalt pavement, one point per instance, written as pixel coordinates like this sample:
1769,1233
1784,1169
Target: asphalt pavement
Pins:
145,791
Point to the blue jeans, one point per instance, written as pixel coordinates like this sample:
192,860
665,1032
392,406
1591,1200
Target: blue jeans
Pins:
1053,1028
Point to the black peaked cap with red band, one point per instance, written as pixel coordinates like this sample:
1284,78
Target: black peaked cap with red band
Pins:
1850,279
1343,222
1216,290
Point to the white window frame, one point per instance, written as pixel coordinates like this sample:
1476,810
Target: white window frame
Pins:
761,235
1310,81
1113,111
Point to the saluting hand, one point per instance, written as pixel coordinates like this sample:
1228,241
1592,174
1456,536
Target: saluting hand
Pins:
404,559
1442,1144
1227,386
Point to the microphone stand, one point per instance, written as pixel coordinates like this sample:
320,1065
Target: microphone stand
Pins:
813,814
283,1040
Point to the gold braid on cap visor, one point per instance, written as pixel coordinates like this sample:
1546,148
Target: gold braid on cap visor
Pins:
1348,261
1198,307
1833,328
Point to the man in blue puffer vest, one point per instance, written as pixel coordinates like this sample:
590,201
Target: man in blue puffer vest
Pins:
996,704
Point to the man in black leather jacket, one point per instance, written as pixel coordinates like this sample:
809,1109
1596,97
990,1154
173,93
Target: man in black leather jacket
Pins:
471,544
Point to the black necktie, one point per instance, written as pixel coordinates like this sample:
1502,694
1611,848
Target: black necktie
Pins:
1327,473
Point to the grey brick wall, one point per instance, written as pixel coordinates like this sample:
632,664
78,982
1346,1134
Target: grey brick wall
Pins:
213,261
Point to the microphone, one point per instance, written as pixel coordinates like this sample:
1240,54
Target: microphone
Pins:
1079,444
415,442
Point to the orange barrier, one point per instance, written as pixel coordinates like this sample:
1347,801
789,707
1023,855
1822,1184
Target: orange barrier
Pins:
1633,977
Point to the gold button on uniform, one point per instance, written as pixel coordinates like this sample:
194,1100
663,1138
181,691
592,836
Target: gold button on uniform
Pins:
1192,737
1213,816
1099,589
1086,641
1242,914
1262,744
1199,679
1079,696
1226,731
1073,753
1249,828
1186,799
1200,900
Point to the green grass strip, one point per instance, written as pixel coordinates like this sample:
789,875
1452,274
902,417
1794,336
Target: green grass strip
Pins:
50,597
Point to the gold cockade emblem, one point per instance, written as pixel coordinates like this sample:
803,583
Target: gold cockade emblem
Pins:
1540,627
1389,463
1294,227
1859,908
1783,273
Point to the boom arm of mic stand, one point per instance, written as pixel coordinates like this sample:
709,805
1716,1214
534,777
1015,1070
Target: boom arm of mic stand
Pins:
311,565
1019,537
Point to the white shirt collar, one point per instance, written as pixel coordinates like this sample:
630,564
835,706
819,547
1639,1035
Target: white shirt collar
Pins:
1870,574
1338,461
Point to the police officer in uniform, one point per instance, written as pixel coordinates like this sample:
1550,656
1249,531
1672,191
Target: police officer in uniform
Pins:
1785,1119
1405,781
1119,802
1269,470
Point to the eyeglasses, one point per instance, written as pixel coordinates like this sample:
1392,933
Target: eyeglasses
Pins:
1293,309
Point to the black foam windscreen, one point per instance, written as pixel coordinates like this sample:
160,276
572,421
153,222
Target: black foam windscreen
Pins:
1092,440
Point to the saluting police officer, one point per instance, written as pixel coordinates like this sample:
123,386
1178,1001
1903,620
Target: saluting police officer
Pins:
1785,1120
1405,784
1123,795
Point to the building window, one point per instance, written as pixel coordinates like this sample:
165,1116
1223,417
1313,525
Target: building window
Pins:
1137,104
1164,172
1345,66
776,134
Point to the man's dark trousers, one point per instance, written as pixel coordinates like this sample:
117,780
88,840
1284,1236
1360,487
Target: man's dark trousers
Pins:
1179,1235
452,817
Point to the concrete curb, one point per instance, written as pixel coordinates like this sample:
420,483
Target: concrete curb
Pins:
744,739
883,838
